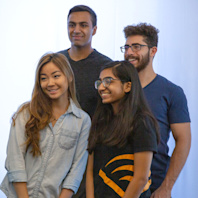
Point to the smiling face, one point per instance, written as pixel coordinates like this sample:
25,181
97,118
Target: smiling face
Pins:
53,82
140,59
114,92
80,29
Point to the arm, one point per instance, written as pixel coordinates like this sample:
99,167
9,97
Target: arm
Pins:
21,189
142,163
66,193
182,135
75,174
89,177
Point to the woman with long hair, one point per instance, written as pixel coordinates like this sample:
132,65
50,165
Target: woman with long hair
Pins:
46,152
123,136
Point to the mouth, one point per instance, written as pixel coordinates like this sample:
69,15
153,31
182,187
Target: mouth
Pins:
133,60
52,91
76,37
104,95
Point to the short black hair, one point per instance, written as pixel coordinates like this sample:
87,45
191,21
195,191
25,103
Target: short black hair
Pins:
84,8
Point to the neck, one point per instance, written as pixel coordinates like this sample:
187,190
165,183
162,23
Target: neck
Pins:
146,75
79,53
59,108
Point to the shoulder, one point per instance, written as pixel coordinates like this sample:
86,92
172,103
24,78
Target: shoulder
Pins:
164,82
64,52
103,57
144,135
22,112
162,86
143,122
79,113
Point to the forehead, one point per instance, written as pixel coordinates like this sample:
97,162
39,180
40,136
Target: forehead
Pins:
135,39
106,73
78,17
49,67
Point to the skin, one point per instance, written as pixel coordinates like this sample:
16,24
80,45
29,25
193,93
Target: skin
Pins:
21,189
55,85
113,95
181,131
80,32
115,91
89,177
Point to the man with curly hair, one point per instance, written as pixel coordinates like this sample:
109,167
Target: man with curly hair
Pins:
168,104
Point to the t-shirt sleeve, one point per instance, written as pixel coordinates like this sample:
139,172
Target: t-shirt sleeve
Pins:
178,109
144,138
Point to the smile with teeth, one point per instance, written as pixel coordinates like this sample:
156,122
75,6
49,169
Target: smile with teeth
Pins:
132,59
52,90
104,94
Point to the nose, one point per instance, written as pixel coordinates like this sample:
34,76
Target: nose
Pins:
101,87
50,82
77,28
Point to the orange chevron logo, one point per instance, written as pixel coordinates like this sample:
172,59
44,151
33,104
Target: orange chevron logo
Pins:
111,183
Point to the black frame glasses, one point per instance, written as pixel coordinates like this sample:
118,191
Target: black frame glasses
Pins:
134,47
106,82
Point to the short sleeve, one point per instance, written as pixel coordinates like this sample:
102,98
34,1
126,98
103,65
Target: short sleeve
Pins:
178,109
144,138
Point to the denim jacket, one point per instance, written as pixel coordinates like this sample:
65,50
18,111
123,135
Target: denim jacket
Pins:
63,155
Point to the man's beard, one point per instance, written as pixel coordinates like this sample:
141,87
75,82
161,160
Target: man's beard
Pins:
143,63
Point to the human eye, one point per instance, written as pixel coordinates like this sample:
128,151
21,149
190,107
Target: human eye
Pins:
57,76
43,78
136,46
107,80
71,25
126,47
84,25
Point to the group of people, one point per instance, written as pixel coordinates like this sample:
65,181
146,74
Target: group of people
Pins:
96,127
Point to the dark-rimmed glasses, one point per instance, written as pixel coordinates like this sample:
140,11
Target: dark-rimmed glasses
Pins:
134,47
106,82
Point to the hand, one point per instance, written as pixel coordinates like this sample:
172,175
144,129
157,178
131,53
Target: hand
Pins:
161,193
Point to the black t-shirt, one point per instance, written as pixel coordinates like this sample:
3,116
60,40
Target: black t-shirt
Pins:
113,166
86,72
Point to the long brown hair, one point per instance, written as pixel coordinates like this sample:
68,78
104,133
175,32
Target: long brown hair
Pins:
40,108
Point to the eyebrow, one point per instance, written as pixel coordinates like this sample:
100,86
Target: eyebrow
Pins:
133,44
51,73
105,77
81,22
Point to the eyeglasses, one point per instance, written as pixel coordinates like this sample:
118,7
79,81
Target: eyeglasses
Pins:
134,47
106,82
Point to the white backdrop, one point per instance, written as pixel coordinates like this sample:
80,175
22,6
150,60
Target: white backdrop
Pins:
29,28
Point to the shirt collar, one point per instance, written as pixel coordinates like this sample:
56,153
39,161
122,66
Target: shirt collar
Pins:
73,109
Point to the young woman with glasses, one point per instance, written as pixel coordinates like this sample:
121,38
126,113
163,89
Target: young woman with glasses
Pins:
123,136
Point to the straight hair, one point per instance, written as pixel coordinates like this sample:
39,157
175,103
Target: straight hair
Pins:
114,130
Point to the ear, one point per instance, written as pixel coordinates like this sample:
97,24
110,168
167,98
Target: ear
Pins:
94,30
153,51
127,87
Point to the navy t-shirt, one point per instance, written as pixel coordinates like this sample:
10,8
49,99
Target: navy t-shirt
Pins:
169,105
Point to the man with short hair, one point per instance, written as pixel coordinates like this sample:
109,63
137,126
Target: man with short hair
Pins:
168,104
85,61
